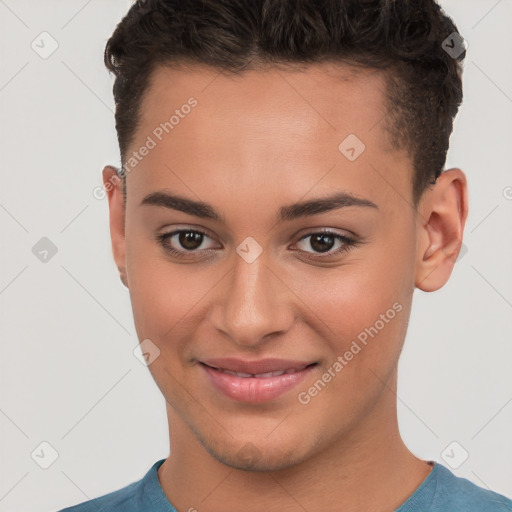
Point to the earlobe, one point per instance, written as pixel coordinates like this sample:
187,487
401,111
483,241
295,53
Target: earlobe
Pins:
441,219
113,187
122,276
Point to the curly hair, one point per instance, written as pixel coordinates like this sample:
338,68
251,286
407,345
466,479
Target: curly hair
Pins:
404,38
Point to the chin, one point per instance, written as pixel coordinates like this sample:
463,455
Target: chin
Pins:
256,456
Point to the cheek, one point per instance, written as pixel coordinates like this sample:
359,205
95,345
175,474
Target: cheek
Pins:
349,298
159,292
361,319
168,299
361,308
163,299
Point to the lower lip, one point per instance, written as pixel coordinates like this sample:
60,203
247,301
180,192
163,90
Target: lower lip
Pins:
253,389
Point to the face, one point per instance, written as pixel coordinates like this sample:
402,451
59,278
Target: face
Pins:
329,285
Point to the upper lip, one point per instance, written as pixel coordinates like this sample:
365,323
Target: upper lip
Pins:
257,366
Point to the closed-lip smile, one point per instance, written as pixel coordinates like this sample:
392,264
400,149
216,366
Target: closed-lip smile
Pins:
255,381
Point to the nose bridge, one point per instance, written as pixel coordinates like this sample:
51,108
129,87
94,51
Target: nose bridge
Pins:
253,305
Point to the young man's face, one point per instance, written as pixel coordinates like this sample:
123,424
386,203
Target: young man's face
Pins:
251,145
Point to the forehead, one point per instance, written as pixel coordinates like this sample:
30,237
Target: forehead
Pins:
315,97
275,126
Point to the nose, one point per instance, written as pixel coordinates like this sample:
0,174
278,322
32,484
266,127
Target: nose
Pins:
255,305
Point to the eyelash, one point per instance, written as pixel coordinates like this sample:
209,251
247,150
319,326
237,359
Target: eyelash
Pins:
348,242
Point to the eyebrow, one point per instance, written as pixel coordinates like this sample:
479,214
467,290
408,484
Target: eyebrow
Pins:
286,213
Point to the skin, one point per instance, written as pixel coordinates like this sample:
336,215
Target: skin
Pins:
254,143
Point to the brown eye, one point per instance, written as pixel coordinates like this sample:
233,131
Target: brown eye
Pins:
184,243
190,240
324,241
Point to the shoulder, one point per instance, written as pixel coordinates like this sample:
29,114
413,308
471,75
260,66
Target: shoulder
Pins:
134,497
456,493
122,499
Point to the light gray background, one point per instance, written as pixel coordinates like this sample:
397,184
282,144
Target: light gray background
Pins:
68,373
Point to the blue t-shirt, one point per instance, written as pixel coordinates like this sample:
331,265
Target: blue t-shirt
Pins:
441,491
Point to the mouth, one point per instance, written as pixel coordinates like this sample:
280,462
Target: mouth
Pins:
245,382
264,375
258,367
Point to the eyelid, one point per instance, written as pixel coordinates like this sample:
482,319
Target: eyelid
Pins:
175,229
311,230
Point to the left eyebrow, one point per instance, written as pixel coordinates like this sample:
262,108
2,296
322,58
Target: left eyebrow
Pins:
323,204
286,213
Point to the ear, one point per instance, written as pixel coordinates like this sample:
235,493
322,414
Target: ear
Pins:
442,214
113,186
